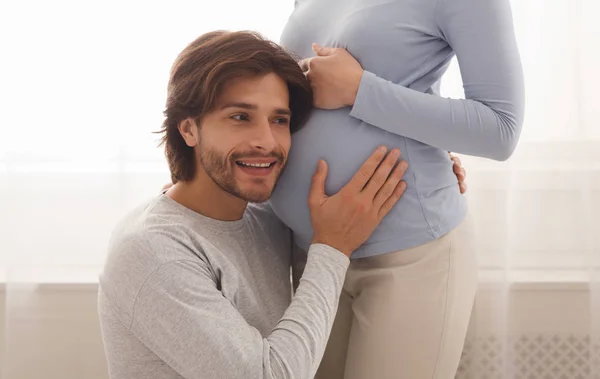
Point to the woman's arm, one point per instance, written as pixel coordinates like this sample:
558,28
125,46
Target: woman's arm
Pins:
488,123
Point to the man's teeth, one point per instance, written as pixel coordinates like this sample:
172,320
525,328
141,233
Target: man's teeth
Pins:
260,165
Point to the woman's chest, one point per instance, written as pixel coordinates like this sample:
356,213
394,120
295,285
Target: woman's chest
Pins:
388,37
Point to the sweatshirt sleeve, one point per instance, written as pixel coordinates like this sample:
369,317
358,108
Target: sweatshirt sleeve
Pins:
488,122
182,316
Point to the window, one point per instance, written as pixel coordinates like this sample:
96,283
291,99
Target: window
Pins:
85,86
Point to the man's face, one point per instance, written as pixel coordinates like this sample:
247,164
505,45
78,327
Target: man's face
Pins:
244,142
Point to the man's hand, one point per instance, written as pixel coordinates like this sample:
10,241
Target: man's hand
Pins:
334,75
460,172
347,219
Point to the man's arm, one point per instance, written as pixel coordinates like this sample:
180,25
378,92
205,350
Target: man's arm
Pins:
299,257
182,316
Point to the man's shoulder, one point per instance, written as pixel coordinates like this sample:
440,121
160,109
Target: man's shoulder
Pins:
144,228
145,239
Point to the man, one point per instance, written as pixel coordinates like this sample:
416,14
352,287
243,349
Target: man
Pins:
197,281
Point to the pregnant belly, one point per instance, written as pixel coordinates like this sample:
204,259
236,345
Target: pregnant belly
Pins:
345,142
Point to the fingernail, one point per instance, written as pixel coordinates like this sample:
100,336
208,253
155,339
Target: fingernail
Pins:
395,153
403,165
381,149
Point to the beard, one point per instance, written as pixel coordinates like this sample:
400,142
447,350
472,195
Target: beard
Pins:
222,171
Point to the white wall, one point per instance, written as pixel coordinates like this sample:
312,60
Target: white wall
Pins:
53,332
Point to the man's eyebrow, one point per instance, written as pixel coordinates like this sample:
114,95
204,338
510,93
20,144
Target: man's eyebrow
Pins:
239,105
281,111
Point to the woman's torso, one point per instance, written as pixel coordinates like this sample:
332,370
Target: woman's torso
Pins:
398,41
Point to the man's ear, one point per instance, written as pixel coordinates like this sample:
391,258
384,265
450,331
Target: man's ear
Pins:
189,131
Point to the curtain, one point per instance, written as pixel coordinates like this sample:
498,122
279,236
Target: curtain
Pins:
83,88
537,310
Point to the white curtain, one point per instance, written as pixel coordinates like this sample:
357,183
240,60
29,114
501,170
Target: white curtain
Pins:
83,88
537,314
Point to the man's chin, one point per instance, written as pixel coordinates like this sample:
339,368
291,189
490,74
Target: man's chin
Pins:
254,192
256,197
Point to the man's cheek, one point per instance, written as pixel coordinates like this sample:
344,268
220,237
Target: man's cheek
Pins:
286,143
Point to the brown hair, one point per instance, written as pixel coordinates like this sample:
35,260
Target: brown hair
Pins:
199,74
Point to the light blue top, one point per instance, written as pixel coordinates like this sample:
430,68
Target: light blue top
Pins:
405,47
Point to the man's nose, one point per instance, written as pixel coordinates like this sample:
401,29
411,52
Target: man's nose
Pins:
263,137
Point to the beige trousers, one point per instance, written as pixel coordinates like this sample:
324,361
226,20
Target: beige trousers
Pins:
404,315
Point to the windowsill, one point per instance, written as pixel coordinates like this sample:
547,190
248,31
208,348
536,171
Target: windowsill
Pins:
51,278
490,279
550,279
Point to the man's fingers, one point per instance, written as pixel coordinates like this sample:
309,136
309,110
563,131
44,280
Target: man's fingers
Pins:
392,200
364,173
317,188
382,173
456,168
390,185
455,159
460,173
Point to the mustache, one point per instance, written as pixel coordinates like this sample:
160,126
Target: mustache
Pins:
277,155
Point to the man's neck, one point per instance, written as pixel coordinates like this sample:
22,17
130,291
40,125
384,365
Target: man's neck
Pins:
204,196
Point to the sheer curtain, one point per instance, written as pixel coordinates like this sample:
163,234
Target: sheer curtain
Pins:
83,87
537,311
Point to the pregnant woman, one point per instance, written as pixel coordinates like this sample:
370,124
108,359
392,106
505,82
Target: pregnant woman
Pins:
375,67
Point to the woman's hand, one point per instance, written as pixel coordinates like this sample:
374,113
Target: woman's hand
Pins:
334,75
460,172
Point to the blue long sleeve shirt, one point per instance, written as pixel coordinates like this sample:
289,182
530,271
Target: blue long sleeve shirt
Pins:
405,46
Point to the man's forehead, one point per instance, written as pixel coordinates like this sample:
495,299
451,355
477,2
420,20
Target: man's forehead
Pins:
252,97
253,85
275,108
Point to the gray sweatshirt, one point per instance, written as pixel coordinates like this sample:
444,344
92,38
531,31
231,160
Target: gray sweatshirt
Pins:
185,296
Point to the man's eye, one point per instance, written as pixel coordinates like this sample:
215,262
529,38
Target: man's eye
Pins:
241,117
282,121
